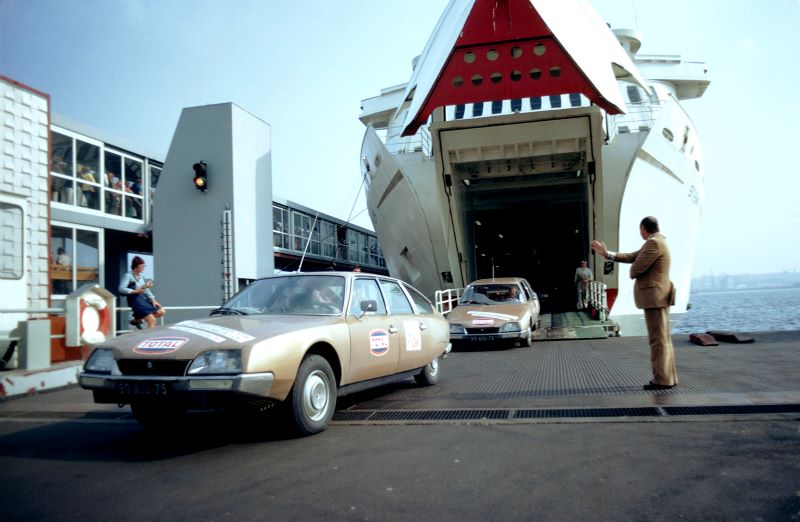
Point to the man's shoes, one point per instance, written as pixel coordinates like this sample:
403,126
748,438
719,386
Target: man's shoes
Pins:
136,323
652,386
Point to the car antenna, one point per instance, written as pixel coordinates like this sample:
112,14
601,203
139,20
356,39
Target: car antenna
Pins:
308,241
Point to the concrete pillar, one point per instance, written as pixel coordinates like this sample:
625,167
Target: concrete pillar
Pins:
34,344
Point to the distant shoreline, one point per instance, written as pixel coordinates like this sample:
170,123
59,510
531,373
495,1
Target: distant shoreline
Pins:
747,289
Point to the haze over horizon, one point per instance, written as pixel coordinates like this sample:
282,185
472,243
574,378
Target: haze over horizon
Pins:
129,68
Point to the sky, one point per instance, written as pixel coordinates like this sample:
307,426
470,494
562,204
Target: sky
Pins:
128,67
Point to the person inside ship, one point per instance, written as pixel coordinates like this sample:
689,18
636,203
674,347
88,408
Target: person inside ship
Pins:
583,276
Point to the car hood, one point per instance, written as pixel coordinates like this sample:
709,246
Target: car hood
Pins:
467,315
186,339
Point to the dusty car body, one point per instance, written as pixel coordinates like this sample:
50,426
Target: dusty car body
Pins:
295,339
491,310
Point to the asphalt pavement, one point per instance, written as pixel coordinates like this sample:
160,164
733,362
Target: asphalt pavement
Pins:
559,431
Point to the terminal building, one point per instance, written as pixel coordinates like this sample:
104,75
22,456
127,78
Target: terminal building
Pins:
76,204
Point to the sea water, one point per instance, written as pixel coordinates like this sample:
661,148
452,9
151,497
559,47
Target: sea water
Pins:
746,310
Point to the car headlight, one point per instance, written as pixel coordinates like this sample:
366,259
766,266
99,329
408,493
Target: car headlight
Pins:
457,329
217,361
101,361
509,327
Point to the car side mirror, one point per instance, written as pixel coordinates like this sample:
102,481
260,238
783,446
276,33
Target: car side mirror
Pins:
369,305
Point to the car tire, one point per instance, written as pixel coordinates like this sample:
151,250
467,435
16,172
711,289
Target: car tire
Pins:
526,343
429,375
155,416
312,400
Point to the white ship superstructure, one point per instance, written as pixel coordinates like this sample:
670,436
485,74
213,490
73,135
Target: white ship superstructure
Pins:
528,129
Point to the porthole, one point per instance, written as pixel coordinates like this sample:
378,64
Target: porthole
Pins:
515,76
667,134
477,79
458,81
492,55
469,57
697,165
516,52
539,49
555,71
496,77
536,73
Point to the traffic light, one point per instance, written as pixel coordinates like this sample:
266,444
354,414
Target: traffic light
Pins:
200,176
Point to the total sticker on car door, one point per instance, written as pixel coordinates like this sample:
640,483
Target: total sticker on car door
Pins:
413,336
378,342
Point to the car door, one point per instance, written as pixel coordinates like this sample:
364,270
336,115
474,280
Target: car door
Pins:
412,327
432,329
374,341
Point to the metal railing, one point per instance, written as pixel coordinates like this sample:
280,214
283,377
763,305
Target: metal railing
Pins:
446,300
598,299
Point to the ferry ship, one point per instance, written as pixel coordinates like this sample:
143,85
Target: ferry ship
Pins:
527,129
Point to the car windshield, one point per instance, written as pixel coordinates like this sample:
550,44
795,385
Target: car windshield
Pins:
301,295
491,294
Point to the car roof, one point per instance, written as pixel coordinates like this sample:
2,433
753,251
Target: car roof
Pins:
498,280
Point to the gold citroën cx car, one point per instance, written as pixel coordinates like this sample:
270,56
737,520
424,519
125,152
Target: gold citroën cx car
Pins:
491,310
296,339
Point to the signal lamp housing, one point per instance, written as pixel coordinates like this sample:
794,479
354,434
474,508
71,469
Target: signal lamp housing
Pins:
200,176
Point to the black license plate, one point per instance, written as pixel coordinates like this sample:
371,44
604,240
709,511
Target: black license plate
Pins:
143,389
484,338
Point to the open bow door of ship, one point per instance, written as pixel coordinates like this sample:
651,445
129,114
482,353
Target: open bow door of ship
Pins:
521,196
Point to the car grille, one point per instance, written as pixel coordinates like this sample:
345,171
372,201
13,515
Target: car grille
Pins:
152,367
482,330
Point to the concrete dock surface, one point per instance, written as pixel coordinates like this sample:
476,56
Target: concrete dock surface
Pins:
559,431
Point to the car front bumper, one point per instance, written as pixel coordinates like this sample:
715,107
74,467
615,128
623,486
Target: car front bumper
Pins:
123,389
489,337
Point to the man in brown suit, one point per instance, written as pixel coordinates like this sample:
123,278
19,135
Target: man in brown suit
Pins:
655,293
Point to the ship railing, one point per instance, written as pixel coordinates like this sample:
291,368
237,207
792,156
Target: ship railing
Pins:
640,117
598,299
446,300
419,142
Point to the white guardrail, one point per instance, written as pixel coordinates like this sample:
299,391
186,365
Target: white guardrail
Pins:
598,299
446,300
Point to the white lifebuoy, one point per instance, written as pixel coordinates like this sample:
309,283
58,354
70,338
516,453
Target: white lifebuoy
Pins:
94,318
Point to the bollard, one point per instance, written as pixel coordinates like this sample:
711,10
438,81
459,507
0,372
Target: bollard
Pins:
34,344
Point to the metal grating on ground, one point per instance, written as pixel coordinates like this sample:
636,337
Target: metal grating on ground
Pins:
400,415
556,413
573,413
732,410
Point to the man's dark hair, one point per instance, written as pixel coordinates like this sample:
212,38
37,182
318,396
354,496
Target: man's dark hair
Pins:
650,224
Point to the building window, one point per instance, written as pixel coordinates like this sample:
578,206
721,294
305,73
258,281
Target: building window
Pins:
280,227
62,172
634,95
575,99
477,109
555,102
460,111
516,105
155,175
497,106
11,242
75,259
536,103
90,176
133,188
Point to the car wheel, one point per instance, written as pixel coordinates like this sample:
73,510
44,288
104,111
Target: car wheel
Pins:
157,416
429,375
312,400
526,343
